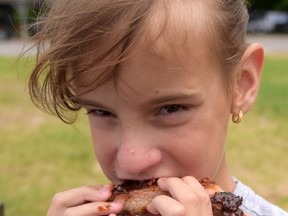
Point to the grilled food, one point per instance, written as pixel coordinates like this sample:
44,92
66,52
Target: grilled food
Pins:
136,195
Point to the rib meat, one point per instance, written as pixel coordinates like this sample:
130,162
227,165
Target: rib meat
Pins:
136,195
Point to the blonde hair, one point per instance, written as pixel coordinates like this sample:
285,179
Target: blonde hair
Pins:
77,38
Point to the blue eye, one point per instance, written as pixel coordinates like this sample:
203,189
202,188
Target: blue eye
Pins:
100,113
173,108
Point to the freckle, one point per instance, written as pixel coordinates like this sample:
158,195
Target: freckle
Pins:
156,92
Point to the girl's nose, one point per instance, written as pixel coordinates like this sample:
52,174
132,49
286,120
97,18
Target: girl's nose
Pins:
137,156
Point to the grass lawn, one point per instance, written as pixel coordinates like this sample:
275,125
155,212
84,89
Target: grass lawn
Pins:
39,155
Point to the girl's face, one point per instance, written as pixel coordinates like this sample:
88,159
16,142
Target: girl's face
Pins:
166,116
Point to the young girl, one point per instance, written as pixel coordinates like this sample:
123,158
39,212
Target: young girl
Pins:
159,80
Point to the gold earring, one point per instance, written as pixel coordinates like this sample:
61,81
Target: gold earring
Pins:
236,118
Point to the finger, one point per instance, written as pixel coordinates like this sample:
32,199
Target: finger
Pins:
187,190
200,193
193,184
164,205
77,196
94,209
83,194
170,183
188,198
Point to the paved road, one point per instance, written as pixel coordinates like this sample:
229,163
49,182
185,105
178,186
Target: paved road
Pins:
15,47
273,44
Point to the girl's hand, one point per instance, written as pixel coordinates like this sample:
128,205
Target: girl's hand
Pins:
84,201
188,198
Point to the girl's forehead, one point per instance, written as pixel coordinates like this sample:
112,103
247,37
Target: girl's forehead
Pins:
176,29
171,32
166,52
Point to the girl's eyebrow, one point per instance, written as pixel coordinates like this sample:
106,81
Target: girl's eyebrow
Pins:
177,96
84,101
195,97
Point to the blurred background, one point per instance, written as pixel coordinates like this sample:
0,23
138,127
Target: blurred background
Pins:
39,155
266,17
16,16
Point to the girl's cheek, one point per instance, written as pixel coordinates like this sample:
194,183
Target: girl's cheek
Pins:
102,125
105,147
106,158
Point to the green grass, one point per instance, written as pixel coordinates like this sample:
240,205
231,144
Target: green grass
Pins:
39,155
257,148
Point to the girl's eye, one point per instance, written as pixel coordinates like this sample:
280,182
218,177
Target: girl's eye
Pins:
100,113
169,109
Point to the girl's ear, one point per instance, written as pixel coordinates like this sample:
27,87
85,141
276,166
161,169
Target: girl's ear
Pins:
247,79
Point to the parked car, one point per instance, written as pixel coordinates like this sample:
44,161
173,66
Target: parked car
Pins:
271,21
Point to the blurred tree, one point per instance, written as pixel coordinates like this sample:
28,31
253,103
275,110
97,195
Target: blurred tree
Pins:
268,4
282,5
